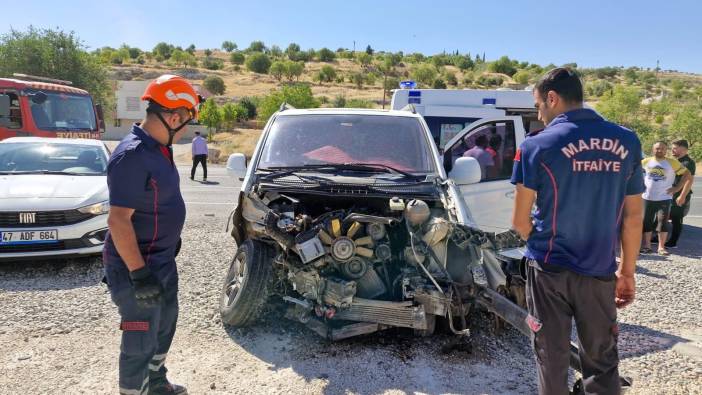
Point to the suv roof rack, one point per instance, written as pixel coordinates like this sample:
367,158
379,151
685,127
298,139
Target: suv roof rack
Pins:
409,107
42,79
285,106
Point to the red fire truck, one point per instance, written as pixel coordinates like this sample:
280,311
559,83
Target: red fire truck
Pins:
45,107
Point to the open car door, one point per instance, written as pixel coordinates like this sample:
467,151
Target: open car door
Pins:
493,142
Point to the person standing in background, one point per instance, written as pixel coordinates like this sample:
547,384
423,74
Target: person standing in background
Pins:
199,151
678,210
660,177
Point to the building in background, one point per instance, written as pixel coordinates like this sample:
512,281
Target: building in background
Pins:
129,108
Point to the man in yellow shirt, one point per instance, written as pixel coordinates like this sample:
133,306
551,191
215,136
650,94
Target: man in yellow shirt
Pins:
660,172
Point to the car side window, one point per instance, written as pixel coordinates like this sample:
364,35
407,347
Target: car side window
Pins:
15,112
492,144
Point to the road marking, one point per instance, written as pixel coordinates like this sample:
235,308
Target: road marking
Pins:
693,216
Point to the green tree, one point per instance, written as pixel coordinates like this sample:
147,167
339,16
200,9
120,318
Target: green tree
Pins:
276,52
292,51
326,74
621,105
358,79
463,62
229,46
293,70
369,50
450,78
277,69
326,55
237,58
257,46
190,49
439,84
213,63
231,113
211,116
55,54
214,84
133,52
364,59
298,96
258,63
687,124
249,105
180,57
597,88
163,49
503,65
207,52
424,74
522,77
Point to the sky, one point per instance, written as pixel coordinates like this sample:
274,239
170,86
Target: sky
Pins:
590,33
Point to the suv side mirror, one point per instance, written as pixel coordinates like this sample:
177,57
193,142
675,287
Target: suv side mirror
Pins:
100,116
236,166
466,171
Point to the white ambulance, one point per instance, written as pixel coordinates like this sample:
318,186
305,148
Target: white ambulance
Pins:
488,125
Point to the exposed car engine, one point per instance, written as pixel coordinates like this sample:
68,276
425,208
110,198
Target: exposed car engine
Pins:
391,262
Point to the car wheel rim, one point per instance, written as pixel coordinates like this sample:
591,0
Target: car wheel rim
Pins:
236,280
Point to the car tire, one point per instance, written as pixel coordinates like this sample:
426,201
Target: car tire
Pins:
247,285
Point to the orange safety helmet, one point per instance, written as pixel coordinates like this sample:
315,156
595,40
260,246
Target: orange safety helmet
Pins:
172,92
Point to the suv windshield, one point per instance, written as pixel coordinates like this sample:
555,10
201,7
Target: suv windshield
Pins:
27,158
300,140
63,111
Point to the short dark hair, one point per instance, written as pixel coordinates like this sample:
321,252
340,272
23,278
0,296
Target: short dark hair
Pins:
481,141
661,142
564,82
681,143
197,133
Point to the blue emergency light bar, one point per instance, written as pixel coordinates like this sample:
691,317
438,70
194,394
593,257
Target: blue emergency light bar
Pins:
408,84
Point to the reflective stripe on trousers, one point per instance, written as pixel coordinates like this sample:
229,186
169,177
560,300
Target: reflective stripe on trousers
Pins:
144,347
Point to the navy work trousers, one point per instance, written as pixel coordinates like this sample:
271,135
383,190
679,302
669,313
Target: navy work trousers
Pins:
147,334
554,299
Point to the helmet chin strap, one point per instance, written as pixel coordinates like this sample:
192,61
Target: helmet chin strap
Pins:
171,132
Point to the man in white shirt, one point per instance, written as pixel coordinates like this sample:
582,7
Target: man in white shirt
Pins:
660,172
199,151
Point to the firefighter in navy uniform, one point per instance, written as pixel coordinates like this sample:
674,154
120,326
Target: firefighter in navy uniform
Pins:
584,176
146,217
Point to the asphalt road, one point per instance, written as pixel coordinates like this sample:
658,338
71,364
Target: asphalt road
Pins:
695,215
216,197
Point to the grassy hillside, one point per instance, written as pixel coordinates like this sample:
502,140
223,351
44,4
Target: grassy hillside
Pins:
652,102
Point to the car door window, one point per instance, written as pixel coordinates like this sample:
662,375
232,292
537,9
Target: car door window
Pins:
492,144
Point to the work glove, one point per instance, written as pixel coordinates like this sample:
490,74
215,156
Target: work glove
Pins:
147,289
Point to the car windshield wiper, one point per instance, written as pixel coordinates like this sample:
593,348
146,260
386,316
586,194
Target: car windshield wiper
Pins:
336,167
279,172
380,166
67,173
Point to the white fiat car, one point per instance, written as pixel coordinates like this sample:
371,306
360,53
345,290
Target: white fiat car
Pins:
53,197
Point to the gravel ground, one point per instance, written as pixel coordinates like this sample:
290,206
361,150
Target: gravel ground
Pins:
58,333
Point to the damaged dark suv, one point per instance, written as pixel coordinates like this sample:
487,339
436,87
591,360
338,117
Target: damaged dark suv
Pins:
349,216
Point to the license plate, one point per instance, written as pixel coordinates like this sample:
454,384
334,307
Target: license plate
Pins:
28,236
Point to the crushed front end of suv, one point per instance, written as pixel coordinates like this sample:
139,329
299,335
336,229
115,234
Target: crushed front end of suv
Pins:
348,216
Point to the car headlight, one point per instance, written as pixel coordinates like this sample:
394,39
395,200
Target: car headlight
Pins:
96,209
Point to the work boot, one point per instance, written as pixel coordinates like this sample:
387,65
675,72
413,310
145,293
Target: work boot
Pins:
163,387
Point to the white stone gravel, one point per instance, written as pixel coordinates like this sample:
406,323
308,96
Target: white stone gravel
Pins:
58,335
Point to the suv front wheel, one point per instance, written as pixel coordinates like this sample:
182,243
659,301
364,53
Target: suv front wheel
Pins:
247,285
